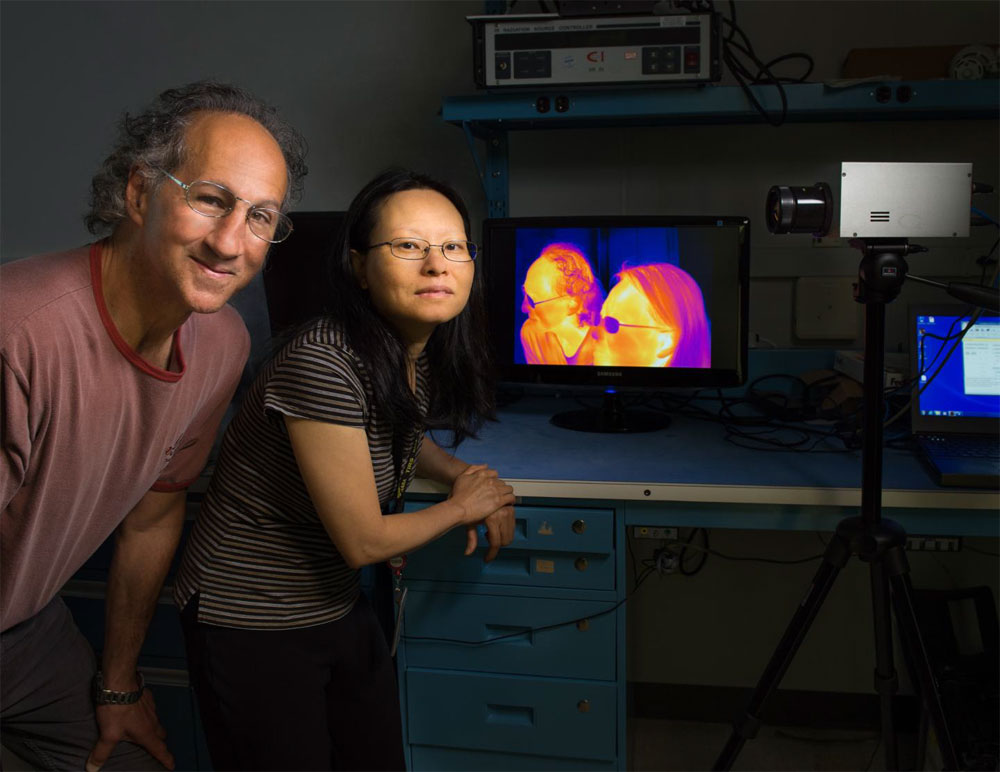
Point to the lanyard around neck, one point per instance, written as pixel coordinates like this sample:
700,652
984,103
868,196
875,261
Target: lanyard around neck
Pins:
402,481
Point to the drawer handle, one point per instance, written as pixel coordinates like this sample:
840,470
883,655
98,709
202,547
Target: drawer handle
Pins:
583,706
509,635
510,715
583,625
579,526
581,564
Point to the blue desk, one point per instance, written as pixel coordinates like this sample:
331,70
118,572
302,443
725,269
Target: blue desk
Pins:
525,703
691,463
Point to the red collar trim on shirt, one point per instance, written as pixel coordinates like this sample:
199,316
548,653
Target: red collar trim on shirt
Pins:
116,338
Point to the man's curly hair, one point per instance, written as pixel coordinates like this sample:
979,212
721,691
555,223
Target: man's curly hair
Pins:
154,139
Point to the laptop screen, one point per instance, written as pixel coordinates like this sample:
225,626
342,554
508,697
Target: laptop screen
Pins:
964,396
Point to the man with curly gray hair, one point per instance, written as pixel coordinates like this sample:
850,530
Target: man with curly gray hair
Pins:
119,360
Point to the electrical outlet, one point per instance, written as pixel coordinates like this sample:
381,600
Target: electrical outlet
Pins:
934,543
653,532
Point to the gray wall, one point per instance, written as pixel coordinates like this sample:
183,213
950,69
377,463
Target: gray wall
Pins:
364,80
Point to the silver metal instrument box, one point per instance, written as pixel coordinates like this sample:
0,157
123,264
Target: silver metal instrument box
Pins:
903,200
551,50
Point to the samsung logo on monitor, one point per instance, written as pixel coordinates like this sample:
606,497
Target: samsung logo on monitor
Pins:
610,373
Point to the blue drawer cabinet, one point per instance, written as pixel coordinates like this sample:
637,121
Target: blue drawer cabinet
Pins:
436,757
558,717
443,561
517,664
552,547
585,648
554,529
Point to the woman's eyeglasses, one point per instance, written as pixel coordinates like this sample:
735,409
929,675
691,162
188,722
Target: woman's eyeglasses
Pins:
418,249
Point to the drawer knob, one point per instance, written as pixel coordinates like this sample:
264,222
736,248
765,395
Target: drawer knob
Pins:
579,526
581,564
583,706
583,625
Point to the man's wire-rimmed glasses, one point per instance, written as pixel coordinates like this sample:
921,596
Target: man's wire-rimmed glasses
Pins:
211,199
417,249
530,302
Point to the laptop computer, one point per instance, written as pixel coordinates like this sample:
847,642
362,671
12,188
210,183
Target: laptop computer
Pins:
955,415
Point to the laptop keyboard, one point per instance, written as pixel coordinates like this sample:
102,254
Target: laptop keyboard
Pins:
965,446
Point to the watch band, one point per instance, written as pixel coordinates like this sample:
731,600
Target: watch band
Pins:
102,696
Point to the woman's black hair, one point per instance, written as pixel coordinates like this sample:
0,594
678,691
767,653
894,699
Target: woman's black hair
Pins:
461,385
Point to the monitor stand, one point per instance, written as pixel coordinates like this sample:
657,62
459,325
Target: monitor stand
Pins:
611,417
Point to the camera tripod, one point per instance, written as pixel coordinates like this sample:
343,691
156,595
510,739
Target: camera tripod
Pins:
881,543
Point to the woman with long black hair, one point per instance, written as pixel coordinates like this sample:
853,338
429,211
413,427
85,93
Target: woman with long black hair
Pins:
287,658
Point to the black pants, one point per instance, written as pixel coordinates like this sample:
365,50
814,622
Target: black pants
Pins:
313,698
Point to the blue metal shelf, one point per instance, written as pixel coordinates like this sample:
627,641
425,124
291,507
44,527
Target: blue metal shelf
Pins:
490,115
941,99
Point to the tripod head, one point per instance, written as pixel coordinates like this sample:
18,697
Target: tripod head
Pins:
883,270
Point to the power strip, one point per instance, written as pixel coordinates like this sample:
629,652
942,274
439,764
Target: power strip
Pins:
933,543
653,532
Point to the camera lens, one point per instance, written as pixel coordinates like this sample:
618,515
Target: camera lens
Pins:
794,209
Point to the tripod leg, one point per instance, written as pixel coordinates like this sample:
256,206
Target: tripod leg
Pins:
886,680
745,727
898,572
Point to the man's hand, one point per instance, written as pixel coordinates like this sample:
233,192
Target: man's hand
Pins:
136,723
144,545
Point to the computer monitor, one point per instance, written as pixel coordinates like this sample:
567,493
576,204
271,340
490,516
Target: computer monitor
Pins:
295,274
619,302
959,392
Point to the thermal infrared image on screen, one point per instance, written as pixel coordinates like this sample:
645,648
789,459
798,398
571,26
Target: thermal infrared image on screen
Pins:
613,297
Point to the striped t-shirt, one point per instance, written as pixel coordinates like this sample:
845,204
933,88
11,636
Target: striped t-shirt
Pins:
258,554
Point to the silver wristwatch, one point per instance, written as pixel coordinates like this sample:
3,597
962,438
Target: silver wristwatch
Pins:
104,696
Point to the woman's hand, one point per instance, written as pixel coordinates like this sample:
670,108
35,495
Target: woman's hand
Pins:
488,500
480,492
499,533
